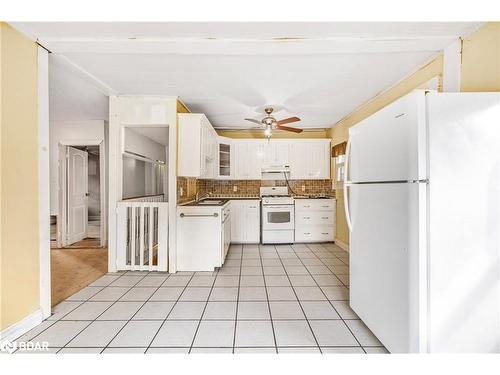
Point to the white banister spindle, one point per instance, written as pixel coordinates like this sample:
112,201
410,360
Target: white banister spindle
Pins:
150,238
133,237
141,234
142,225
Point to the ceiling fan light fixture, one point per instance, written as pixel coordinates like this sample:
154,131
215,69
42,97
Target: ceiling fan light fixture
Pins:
268,131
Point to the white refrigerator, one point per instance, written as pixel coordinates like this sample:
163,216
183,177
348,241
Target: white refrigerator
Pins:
422,202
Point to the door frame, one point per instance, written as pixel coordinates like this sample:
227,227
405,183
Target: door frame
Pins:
63,189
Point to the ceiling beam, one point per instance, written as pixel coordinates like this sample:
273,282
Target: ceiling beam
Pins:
294,46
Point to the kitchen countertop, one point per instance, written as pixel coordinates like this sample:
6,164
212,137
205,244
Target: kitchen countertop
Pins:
312,197
223,201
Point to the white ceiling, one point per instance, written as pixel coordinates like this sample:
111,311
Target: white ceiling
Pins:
156,134
318,71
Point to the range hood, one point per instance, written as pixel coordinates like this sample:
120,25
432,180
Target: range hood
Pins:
275,172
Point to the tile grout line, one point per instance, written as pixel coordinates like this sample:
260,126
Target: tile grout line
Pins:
267,296
237,298
97,317
73,309
298,300
202,313
170,312
132,317
341,318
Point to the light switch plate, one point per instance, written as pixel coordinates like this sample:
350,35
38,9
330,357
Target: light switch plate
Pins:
235,188
303,187
182,192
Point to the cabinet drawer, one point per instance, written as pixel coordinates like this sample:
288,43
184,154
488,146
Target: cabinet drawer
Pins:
307,218
314,204
318,234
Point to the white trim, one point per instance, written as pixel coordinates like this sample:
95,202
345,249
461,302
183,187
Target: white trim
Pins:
452,64
18,329
44,182
102,192
172,190
342,245
119,118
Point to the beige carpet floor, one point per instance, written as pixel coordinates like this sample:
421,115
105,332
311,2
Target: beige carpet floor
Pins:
74,269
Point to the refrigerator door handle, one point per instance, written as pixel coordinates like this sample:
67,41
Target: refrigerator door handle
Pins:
346,175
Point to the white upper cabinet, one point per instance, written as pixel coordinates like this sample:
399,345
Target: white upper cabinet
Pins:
197,147
225,158
276,153
204,154
248,156
310,160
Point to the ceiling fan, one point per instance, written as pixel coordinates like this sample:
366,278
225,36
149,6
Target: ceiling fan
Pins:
269,123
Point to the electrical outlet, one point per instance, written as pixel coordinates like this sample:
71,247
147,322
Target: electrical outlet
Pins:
303,187
235,188
182,192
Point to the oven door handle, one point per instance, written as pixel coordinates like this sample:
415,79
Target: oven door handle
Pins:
288,208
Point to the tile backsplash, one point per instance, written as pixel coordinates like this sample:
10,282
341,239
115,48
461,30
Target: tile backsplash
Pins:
250,188
186,189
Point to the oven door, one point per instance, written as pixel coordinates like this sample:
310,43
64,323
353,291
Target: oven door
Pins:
277,217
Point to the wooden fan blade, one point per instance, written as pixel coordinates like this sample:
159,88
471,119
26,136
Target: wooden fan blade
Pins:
287,120
254,121
289,129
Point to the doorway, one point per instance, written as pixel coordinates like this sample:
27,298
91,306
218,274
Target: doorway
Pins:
82,197
79,254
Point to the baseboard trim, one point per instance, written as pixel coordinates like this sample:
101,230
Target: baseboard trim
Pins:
18,329
342,245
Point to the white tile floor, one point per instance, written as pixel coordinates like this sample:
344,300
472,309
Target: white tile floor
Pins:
266,299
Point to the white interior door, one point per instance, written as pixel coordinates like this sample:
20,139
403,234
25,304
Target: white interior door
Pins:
384,266
77,185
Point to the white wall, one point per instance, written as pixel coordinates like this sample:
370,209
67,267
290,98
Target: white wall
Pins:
137,174
139,144
78,132
134,178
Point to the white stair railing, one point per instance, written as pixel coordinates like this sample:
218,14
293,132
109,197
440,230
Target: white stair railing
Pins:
142,234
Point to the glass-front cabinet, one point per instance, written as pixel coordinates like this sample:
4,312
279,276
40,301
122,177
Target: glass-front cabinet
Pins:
224,158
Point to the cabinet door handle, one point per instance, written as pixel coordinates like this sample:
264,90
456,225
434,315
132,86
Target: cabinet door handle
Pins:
307,206
306,217
324,233
325,217
307,232
325,206
198,215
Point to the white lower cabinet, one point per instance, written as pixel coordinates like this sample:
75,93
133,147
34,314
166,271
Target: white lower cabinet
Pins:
245,221
314,220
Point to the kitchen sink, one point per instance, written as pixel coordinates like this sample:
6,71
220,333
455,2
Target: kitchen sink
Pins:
211,202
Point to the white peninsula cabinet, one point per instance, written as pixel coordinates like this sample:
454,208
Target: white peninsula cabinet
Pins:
245,221
198,144
314,220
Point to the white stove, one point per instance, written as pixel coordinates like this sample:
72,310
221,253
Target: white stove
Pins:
278,215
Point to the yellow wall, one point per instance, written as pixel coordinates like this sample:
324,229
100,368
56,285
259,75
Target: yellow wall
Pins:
480,71
19,240
339,132
481,59
259,134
